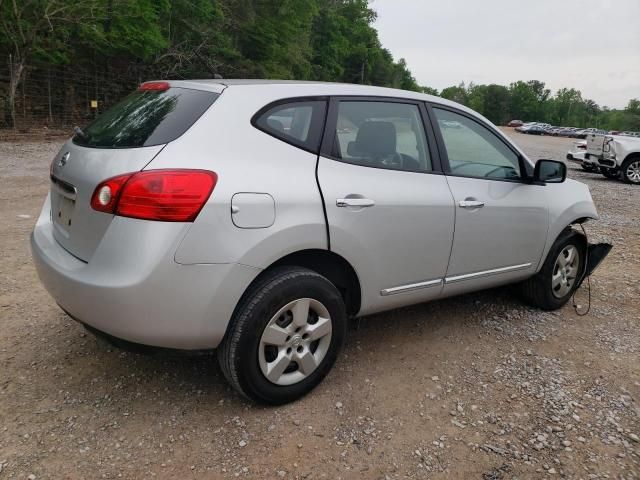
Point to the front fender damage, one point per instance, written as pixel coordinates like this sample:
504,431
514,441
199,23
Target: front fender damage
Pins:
596,253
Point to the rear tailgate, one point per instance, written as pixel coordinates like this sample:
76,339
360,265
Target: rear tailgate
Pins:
595,144
122,140
75,173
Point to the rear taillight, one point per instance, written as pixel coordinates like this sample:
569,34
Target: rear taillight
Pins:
164,195
105,196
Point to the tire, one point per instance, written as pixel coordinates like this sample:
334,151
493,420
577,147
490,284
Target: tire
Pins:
610,173
262,335
541,290
631,170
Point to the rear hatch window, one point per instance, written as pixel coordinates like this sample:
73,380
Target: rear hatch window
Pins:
146,118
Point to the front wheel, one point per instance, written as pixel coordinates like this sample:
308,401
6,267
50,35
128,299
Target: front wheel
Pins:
284,336
631,170
560,274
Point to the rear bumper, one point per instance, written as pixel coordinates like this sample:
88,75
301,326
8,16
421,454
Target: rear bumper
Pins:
133,289
607,162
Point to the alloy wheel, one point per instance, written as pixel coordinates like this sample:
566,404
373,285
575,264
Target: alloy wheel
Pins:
633,171
295,341
565,271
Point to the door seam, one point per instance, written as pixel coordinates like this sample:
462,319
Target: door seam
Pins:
455,219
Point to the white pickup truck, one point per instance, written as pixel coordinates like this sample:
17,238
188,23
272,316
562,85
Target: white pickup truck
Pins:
617,156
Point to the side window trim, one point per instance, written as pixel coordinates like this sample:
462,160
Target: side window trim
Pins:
317,121
525,174
327,143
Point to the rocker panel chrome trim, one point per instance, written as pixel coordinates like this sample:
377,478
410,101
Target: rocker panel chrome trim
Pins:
486,273
410,287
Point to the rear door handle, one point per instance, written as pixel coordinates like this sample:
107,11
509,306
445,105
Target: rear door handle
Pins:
470,204
355,202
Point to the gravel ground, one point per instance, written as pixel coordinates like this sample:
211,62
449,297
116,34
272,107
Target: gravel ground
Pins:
476,387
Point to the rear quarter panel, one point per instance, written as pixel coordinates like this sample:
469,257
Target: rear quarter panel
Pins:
247,160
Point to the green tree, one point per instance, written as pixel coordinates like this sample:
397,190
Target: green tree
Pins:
497,104
429,90
476,97
457,93
32,28
568,107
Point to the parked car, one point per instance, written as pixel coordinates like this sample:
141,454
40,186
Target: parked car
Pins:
582,133
617,156
577,154
525,126
188,217
535,129
515,123
566,131
558,131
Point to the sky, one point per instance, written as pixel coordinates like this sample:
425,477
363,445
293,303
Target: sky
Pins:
590,45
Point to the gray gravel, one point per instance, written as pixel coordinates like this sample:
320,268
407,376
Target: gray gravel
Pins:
478,386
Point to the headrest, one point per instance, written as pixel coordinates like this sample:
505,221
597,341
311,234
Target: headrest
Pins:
377,139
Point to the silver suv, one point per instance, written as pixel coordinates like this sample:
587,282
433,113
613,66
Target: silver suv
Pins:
256,217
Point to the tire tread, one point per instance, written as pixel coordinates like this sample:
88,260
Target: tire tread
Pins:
254,295
534,290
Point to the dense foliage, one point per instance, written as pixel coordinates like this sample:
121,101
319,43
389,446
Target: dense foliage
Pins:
532,101
103,43
296,39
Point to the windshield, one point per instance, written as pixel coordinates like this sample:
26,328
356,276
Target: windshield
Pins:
146,118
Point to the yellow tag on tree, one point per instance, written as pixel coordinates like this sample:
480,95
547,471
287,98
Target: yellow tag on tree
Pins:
94,103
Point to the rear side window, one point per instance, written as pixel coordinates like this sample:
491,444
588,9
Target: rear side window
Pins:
382,135
147,118
297,122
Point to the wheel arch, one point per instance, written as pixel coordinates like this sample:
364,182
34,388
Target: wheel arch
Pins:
558,229
570,203
631,155
330,265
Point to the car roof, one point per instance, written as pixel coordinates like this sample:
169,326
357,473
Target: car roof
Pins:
296,88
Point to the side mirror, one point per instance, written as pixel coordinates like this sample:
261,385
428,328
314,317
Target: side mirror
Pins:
550,171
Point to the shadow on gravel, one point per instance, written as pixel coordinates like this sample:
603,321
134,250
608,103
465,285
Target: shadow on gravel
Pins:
92,369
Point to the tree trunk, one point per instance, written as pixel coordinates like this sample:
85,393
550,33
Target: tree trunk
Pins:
15,76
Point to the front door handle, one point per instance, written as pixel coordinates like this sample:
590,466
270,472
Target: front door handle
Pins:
355,202
470,204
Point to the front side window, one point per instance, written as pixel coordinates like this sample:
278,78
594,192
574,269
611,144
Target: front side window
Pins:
381,134
299,123
473,150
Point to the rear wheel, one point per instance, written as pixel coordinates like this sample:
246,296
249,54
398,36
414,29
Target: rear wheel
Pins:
631,170
284,337
559,276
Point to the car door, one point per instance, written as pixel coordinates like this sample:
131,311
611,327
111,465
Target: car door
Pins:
389,210
501,220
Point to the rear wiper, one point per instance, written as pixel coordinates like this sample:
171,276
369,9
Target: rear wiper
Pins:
78,131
